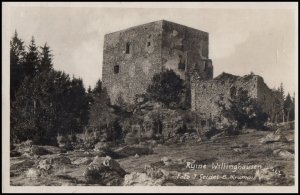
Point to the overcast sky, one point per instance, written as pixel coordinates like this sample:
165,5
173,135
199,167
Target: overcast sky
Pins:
241,40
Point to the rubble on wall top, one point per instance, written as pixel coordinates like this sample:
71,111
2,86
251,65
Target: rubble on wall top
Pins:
226,76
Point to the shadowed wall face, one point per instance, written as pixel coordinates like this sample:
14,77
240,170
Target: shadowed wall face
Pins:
131,57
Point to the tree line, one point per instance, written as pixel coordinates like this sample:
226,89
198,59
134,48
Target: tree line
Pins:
44,102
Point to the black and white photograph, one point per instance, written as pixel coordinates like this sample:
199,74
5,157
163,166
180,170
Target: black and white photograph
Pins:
149,96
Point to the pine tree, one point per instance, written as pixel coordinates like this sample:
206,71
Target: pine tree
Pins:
98,88
281,99
17,55
46,59
32,62
289,108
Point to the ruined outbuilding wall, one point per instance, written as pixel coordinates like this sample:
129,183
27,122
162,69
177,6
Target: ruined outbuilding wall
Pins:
207,94
132,56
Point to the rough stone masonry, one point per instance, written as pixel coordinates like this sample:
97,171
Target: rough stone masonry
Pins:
132,56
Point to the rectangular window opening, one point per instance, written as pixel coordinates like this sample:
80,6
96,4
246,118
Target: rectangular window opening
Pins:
127,48
116,69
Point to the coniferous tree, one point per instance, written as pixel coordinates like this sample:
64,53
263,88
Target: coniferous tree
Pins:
32,62
281,99
289,108
17,58
46,59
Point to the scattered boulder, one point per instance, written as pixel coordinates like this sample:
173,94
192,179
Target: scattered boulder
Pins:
136,156
114,165
53,149
82,161
284,154
238,150
53,162
166,160
45,164
39,150
33,173
108,173
272,137
153,172
97,161
141,179
64,142
132,150
102,146
24,146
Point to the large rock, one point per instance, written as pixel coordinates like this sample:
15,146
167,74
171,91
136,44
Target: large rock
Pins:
53,162
102,146
284,154
141,179
33,173
154,172
166,160
82,161
272,137
102,175
114,165
133,150
97,161
109,172
53,149
38,150
24,146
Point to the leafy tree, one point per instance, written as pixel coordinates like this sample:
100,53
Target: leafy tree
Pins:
167,88
17,58
245,110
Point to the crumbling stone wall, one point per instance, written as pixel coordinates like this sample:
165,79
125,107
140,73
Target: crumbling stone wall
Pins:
206,94
137,61
185,50
131,57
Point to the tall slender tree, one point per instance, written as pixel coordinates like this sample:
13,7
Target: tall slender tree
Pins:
17,58
46,59
289,108
32,62
281,99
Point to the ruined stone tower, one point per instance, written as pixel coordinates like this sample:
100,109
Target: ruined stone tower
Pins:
132,56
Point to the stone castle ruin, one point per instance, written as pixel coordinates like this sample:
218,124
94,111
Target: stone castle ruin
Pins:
132,56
